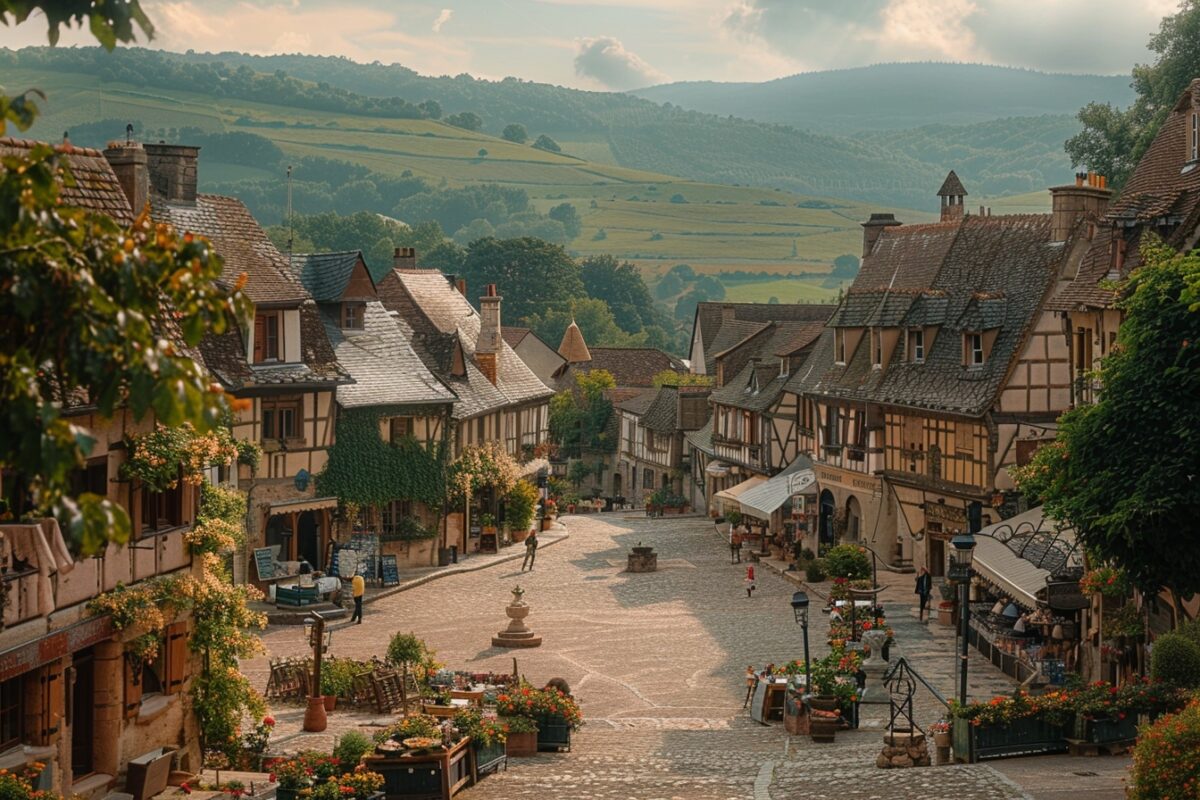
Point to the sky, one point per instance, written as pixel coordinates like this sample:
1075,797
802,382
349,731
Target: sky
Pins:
625,44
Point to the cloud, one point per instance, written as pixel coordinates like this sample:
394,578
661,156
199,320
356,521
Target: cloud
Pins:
606,61
442,19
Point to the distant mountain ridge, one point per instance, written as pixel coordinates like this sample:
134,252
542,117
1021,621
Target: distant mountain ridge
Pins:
896,96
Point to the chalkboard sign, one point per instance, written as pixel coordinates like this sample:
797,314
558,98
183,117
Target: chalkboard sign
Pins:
264,560
367,546
391,573
758,705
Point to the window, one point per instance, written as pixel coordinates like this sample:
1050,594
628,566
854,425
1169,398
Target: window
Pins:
268,338
833,427
479,430
393,514
352,315
973,349
648,479
281,418
876,348
839,346
93,478
162,510
399,428
804,413
165,675
12,712
916,347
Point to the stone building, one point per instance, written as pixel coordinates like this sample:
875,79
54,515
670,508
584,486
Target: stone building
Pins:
651,452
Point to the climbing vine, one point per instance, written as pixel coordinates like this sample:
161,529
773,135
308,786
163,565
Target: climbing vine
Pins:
365,470
218,527
160,458
487,464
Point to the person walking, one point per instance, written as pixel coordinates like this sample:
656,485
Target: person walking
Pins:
750,581
531,545
358,587
924,590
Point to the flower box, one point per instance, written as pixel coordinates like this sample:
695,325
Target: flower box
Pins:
439,775
286,794
521,745
487,759
1105,730
1027,736
554,733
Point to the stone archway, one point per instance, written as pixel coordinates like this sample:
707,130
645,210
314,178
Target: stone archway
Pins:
853,519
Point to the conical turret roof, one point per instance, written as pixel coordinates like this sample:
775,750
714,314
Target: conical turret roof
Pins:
573,348
952,187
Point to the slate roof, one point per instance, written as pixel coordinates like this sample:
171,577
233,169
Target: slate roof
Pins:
996,271
701,439
326,275
640,403
514,336
708,321
756,386
952,186
242,244
631,367
438,320
95,186
656,410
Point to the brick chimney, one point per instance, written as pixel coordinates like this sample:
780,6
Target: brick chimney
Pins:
128,161
404,258
1086,198
873,229
952,194
728,314
173,171
487,346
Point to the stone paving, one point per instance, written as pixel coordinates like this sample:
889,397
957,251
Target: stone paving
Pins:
657,661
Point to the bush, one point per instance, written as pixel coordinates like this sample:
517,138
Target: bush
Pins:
848,561
521,503
350,749
815,571
1175,659
1166,759
406,648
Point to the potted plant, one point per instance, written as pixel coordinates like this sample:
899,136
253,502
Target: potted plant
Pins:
521,736
941,733
360,784
488,738
487,522
337,679
290,776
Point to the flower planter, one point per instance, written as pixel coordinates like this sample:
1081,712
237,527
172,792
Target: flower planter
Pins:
1027,736
330,702
942,739
521,745
520,536
945,616
488,758
1106,730
553,734
547,523
822,729
441,774
286,794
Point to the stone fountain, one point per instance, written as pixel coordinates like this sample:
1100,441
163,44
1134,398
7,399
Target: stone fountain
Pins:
875,667
642,559
517,634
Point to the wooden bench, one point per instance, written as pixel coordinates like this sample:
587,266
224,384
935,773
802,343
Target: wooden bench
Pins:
296,596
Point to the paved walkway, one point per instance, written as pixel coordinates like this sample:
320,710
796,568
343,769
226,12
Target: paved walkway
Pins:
657,662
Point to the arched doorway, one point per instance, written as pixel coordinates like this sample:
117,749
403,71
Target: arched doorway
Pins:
853,519
825,522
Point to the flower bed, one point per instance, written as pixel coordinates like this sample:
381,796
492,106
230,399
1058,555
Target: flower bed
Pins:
554,713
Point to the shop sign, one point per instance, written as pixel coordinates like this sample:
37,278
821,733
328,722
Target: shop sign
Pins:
849,480
49,648
946,514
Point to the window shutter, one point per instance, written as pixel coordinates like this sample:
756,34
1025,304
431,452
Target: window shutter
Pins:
133,688
54,699
260,338
177,657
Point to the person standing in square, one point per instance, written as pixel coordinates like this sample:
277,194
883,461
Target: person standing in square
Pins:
750,581
924,590
358,587
531,545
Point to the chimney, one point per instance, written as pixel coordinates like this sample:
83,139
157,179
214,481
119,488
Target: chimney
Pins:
173,171
952,194
461,285
873,229
728,314
1087,197
487,346
128,161
404,258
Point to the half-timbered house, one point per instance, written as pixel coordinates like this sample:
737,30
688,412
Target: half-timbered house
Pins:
651,452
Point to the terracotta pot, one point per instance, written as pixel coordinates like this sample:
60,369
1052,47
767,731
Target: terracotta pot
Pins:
330,702
521,745
941,739
520,536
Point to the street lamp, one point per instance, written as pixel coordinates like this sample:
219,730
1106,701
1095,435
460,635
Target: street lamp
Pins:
961,557
800,609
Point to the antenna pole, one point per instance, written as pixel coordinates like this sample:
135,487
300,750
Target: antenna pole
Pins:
291,228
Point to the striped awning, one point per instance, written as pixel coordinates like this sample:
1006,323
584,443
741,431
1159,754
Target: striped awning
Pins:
729,497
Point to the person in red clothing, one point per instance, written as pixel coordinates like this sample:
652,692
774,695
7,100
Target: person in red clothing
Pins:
750,581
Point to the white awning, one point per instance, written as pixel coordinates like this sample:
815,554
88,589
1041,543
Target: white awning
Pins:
533,466
765,499
729,497
996,561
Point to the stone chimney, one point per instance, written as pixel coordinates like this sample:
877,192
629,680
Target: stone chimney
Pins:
873,229
128,161
728,314
404,258
461,285
1086,198
489,343
952,194
173,171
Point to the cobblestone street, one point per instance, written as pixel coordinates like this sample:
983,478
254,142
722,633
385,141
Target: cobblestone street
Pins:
657,661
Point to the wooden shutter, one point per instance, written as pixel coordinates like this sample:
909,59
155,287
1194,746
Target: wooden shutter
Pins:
133,688
54,703
260,338
177,657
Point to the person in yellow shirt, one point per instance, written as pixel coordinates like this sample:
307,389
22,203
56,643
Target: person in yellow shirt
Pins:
358,587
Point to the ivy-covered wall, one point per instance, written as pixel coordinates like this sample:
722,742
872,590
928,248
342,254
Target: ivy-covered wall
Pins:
365,470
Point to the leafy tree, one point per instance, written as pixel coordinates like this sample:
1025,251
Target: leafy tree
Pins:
621,286
668,286
1123,471
569,217
431,109
594,318
685,307
476,229
1113,139
669,377
710,287
678,199
446,256
515,133
467,120
482,152
544,142
846,266
330,232
532,275
773,301
579,416
684,272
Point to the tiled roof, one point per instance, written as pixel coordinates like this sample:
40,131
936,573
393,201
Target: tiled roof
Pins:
631,367
709,320
756,387
905,257
514,336
997,271
385,368
639,403
702,439
438,321
242,244
572,347
798,337
95,186
326,275
657,410
952,186
1087,289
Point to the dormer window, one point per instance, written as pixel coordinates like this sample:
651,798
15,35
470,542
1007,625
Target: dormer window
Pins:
839,346
973,349
916,347
876,348
268,338
352,316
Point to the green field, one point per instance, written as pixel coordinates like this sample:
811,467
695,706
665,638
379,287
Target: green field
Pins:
787,290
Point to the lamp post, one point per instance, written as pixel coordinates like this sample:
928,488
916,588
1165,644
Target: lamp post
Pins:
800,609
961,557
315,720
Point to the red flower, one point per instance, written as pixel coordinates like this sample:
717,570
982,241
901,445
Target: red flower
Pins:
271,777
269,721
